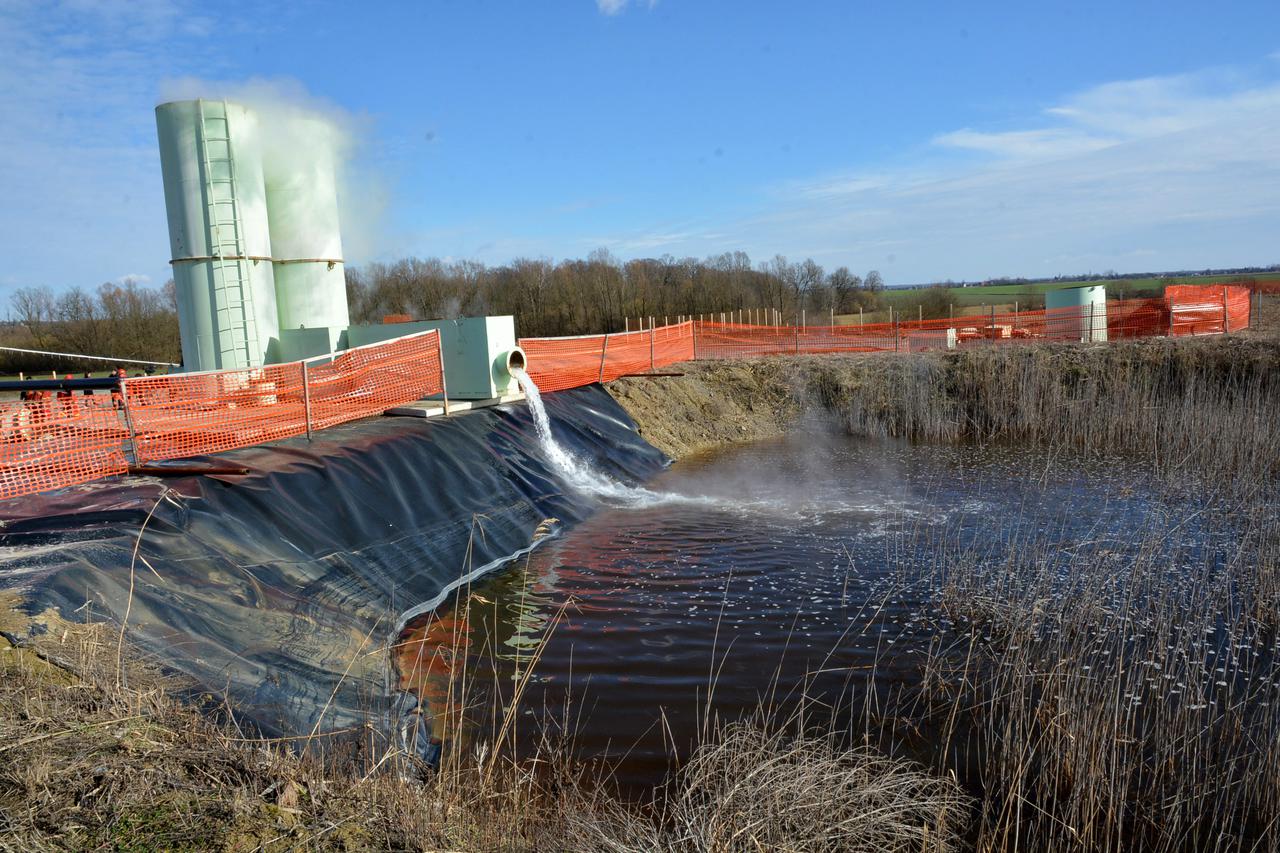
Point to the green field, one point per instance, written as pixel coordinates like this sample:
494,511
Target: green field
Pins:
1001,294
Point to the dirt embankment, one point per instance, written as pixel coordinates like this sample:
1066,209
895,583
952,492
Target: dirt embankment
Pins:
1159,398
713,404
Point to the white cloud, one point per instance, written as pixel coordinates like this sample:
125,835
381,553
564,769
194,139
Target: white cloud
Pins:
1025,144
1158,173
611,7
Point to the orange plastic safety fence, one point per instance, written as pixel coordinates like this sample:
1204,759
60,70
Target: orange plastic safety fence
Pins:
369,380
559,363
195,414
1205,309
55,442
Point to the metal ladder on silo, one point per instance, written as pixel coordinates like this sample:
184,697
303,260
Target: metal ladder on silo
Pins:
232,294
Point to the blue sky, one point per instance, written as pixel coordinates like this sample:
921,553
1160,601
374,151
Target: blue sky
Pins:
927,140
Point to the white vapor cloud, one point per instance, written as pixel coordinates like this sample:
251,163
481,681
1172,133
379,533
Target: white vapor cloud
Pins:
288,113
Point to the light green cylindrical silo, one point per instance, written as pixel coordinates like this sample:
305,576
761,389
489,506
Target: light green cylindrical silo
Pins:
302,204
215,195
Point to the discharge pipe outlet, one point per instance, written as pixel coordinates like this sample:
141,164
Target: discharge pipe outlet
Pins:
505,363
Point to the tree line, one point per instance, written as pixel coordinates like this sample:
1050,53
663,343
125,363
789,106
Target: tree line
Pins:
120,320
547,298
604,294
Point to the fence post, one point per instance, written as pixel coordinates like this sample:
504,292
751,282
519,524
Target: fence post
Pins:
306,398
128,423
603,349
652,332
444,385
993,321
1226,315
895,328
797,328
695,339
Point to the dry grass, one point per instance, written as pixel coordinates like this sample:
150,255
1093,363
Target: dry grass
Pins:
88,764
1183,405
1115,698
755,789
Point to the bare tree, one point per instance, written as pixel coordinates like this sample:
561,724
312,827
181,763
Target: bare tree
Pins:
35,311
842,284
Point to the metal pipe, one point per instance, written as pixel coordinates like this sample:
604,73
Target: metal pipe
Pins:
306,398
91,357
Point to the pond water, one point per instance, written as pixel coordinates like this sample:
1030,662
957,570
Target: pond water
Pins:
749,575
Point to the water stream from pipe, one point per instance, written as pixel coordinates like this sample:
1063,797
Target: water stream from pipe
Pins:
578,473
587,480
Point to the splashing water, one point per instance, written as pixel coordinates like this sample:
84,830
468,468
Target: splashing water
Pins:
579,474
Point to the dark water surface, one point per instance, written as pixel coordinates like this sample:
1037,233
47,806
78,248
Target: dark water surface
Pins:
757,572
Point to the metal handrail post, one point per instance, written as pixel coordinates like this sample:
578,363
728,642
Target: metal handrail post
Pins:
306,398
128,423
444,383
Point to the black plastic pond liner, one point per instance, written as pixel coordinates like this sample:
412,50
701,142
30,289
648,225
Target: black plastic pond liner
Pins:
269,587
